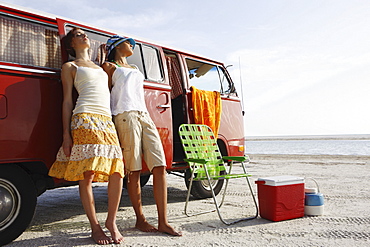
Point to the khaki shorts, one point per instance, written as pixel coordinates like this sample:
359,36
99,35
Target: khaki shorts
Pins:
139,138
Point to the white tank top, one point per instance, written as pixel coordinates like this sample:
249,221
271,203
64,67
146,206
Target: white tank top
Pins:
93,92
127,92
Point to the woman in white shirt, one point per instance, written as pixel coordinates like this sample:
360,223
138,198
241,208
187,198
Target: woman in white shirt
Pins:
137,132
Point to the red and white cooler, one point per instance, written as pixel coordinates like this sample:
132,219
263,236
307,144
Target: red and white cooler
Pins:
281,197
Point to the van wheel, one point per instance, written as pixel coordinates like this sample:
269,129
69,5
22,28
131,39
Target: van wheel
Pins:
17,202
143,180
201,189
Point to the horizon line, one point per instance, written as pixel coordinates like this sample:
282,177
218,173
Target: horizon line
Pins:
301,137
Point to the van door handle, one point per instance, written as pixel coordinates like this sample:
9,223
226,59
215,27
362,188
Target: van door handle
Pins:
163,106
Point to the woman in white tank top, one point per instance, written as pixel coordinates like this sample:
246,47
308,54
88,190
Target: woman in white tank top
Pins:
90,150
137,132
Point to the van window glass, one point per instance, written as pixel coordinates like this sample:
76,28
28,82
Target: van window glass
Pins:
203,75
152,65
97,45
29,43
207,76
135,59
150,68
226,86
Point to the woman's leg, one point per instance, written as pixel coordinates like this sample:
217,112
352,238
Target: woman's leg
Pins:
160,196
114,197
87,199
134,191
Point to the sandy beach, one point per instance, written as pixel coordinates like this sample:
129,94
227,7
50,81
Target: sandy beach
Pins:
344,181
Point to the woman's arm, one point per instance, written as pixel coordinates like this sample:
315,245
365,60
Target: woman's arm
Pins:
109,68
68,74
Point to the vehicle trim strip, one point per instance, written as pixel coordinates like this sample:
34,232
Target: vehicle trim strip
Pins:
28,70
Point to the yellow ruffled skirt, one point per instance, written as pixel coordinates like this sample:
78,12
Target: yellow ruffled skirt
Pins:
95,148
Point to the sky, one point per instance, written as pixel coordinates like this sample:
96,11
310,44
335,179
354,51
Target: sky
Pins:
303,66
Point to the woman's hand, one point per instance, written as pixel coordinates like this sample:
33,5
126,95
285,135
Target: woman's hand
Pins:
67,145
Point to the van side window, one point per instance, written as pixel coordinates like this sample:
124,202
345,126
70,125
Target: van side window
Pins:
207,76
146,58
152,65
97,50
28,43
136,58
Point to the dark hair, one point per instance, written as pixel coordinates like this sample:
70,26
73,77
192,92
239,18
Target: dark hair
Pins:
67,40
112,54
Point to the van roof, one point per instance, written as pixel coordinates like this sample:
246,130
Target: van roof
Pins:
140,39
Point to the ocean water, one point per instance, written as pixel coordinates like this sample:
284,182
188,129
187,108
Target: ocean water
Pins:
310,147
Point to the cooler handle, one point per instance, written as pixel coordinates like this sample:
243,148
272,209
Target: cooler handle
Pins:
317,185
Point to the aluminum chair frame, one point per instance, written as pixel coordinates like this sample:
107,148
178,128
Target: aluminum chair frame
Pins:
206,163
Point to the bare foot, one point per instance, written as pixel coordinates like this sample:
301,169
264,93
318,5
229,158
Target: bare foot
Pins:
99,237
169,230
114,232
144,226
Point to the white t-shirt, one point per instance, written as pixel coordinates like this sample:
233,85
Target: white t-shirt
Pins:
127,92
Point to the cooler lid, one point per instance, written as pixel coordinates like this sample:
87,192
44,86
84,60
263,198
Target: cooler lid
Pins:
281,180
310,190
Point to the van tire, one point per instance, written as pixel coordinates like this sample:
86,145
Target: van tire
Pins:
200,189
143,180
17,213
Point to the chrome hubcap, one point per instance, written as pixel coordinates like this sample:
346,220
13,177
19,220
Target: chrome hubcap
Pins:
9,203
206,185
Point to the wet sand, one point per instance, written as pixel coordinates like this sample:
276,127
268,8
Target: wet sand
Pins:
344,181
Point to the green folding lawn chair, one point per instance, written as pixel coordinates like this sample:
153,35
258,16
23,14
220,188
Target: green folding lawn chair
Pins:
206,163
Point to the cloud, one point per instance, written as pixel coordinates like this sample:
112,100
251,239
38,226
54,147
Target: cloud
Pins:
290,90
280,72
147,19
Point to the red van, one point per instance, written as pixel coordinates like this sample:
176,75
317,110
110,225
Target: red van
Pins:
31,98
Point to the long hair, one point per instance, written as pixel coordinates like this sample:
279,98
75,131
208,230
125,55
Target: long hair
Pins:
67,41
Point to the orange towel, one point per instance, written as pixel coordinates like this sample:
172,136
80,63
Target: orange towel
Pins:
207,108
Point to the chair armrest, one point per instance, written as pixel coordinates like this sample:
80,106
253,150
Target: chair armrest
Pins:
200,161
235,158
